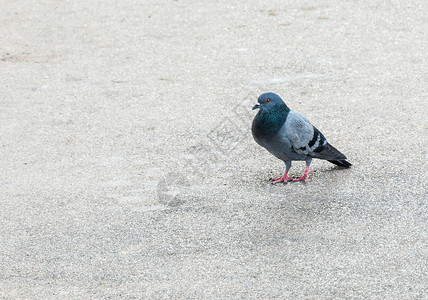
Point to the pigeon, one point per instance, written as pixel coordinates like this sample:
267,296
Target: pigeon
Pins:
290,136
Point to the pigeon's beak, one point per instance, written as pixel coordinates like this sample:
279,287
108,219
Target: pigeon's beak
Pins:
256,106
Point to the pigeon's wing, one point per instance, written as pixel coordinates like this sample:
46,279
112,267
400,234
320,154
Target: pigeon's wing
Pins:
307,140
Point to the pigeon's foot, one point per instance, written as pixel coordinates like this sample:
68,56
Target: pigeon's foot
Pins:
285,178
305,175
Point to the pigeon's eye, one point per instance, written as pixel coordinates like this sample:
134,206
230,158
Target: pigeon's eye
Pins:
267,100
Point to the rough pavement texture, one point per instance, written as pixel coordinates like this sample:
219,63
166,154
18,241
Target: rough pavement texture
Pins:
128,170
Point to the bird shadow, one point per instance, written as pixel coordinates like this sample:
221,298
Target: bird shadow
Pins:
263,178
333,168
330,171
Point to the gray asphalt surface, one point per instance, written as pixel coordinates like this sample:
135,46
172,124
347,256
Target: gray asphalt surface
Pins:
128,170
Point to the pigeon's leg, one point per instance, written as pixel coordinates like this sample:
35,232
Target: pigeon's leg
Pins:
284,177
305,175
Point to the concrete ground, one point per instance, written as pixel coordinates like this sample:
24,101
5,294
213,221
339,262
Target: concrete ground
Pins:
128,170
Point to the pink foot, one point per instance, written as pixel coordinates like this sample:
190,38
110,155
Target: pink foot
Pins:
284,177
305,175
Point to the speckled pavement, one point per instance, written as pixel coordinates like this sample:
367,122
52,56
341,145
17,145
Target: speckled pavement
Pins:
128,169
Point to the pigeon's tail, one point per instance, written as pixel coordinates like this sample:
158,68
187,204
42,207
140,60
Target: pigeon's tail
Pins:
328,152
341,163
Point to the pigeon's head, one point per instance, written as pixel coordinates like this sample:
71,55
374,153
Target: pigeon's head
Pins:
268,101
